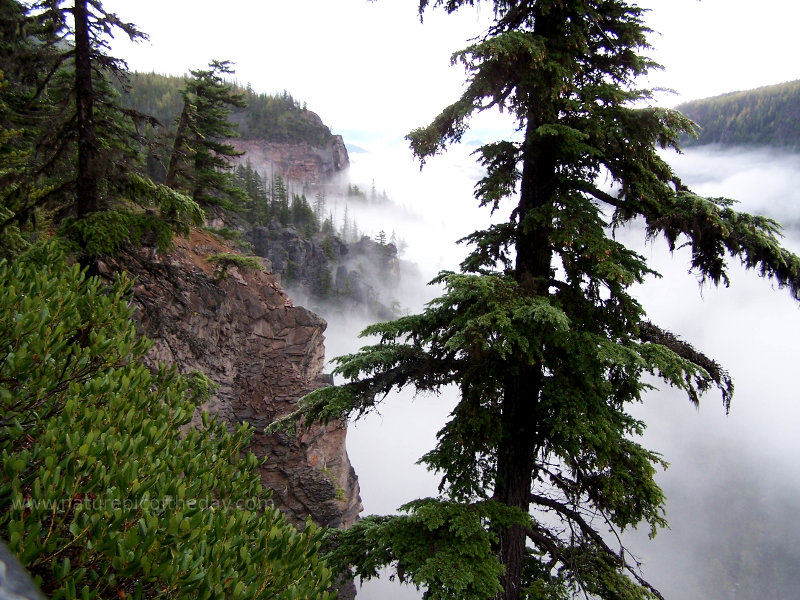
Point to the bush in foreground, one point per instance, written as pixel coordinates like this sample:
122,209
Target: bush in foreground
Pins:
103,491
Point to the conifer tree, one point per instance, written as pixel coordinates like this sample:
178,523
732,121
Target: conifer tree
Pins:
279,200
200,160
539,331
319,205
82,147
96,115
347,227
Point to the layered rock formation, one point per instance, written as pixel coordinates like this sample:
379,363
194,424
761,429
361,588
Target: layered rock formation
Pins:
301,162
243,331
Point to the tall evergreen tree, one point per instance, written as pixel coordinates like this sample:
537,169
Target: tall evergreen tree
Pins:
91,115
83,147
201,154
539,331
279,200
319,205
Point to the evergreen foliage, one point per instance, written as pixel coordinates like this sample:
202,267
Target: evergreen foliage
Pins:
201,153
302,216
279,200
71,148
257,205
104,492
227,259
539,331
766,116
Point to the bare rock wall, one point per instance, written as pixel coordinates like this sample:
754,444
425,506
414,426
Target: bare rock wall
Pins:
243,331
303,163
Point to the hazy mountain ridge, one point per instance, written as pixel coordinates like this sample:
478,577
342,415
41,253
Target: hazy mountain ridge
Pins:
765,116
281,139
275,129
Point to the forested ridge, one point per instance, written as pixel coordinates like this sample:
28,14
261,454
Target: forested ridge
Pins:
271,117
765,116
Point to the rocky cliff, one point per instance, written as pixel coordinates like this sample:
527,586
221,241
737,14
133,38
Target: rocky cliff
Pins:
300,162
240,328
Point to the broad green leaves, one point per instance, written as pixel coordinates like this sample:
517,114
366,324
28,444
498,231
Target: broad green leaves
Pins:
103,490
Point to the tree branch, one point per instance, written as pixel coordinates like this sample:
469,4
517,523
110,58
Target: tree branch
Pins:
588,531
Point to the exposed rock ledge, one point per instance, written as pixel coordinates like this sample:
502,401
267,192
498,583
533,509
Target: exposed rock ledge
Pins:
302,162
243,331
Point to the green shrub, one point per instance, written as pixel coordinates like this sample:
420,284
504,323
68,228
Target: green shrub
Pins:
232,235
227,259
226,233
103,490
107,231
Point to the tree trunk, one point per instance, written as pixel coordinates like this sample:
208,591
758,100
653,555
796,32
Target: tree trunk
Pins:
178,145
515,463
86,182
522,421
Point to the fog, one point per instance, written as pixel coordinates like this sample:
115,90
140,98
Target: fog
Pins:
732,483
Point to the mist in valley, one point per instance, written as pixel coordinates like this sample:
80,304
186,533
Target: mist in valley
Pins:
732,486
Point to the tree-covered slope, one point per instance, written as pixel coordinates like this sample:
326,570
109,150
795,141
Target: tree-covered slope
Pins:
766,116
275,118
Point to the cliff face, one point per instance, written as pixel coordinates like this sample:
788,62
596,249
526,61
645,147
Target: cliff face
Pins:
301,162
240,328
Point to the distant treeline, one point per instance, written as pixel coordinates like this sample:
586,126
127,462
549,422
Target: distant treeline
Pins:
273,117
766,116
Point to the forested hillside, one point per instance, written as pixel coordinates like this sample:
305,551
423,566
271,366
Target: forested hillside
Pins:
272,117
766,116
106,490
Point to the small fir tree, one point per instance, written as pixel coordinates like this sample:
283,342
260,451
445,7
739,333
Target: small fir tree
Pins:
200,159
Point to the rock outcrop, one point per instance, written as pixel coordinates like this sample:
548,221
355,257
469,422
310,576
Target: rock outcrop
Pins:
300,162
240,328
361,275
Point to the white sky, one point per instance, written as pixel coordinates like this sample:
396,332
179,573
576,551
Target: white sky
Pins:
370,69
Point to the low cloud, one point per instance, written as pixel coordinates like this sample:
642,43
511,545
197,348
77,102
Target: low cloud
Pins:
733,482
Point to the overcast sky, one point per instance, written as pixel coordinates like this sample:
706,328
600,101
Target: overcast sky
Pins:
371,69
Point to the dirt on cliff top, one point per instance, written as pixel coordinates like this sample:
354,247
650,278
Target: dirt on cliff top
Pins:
201,244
